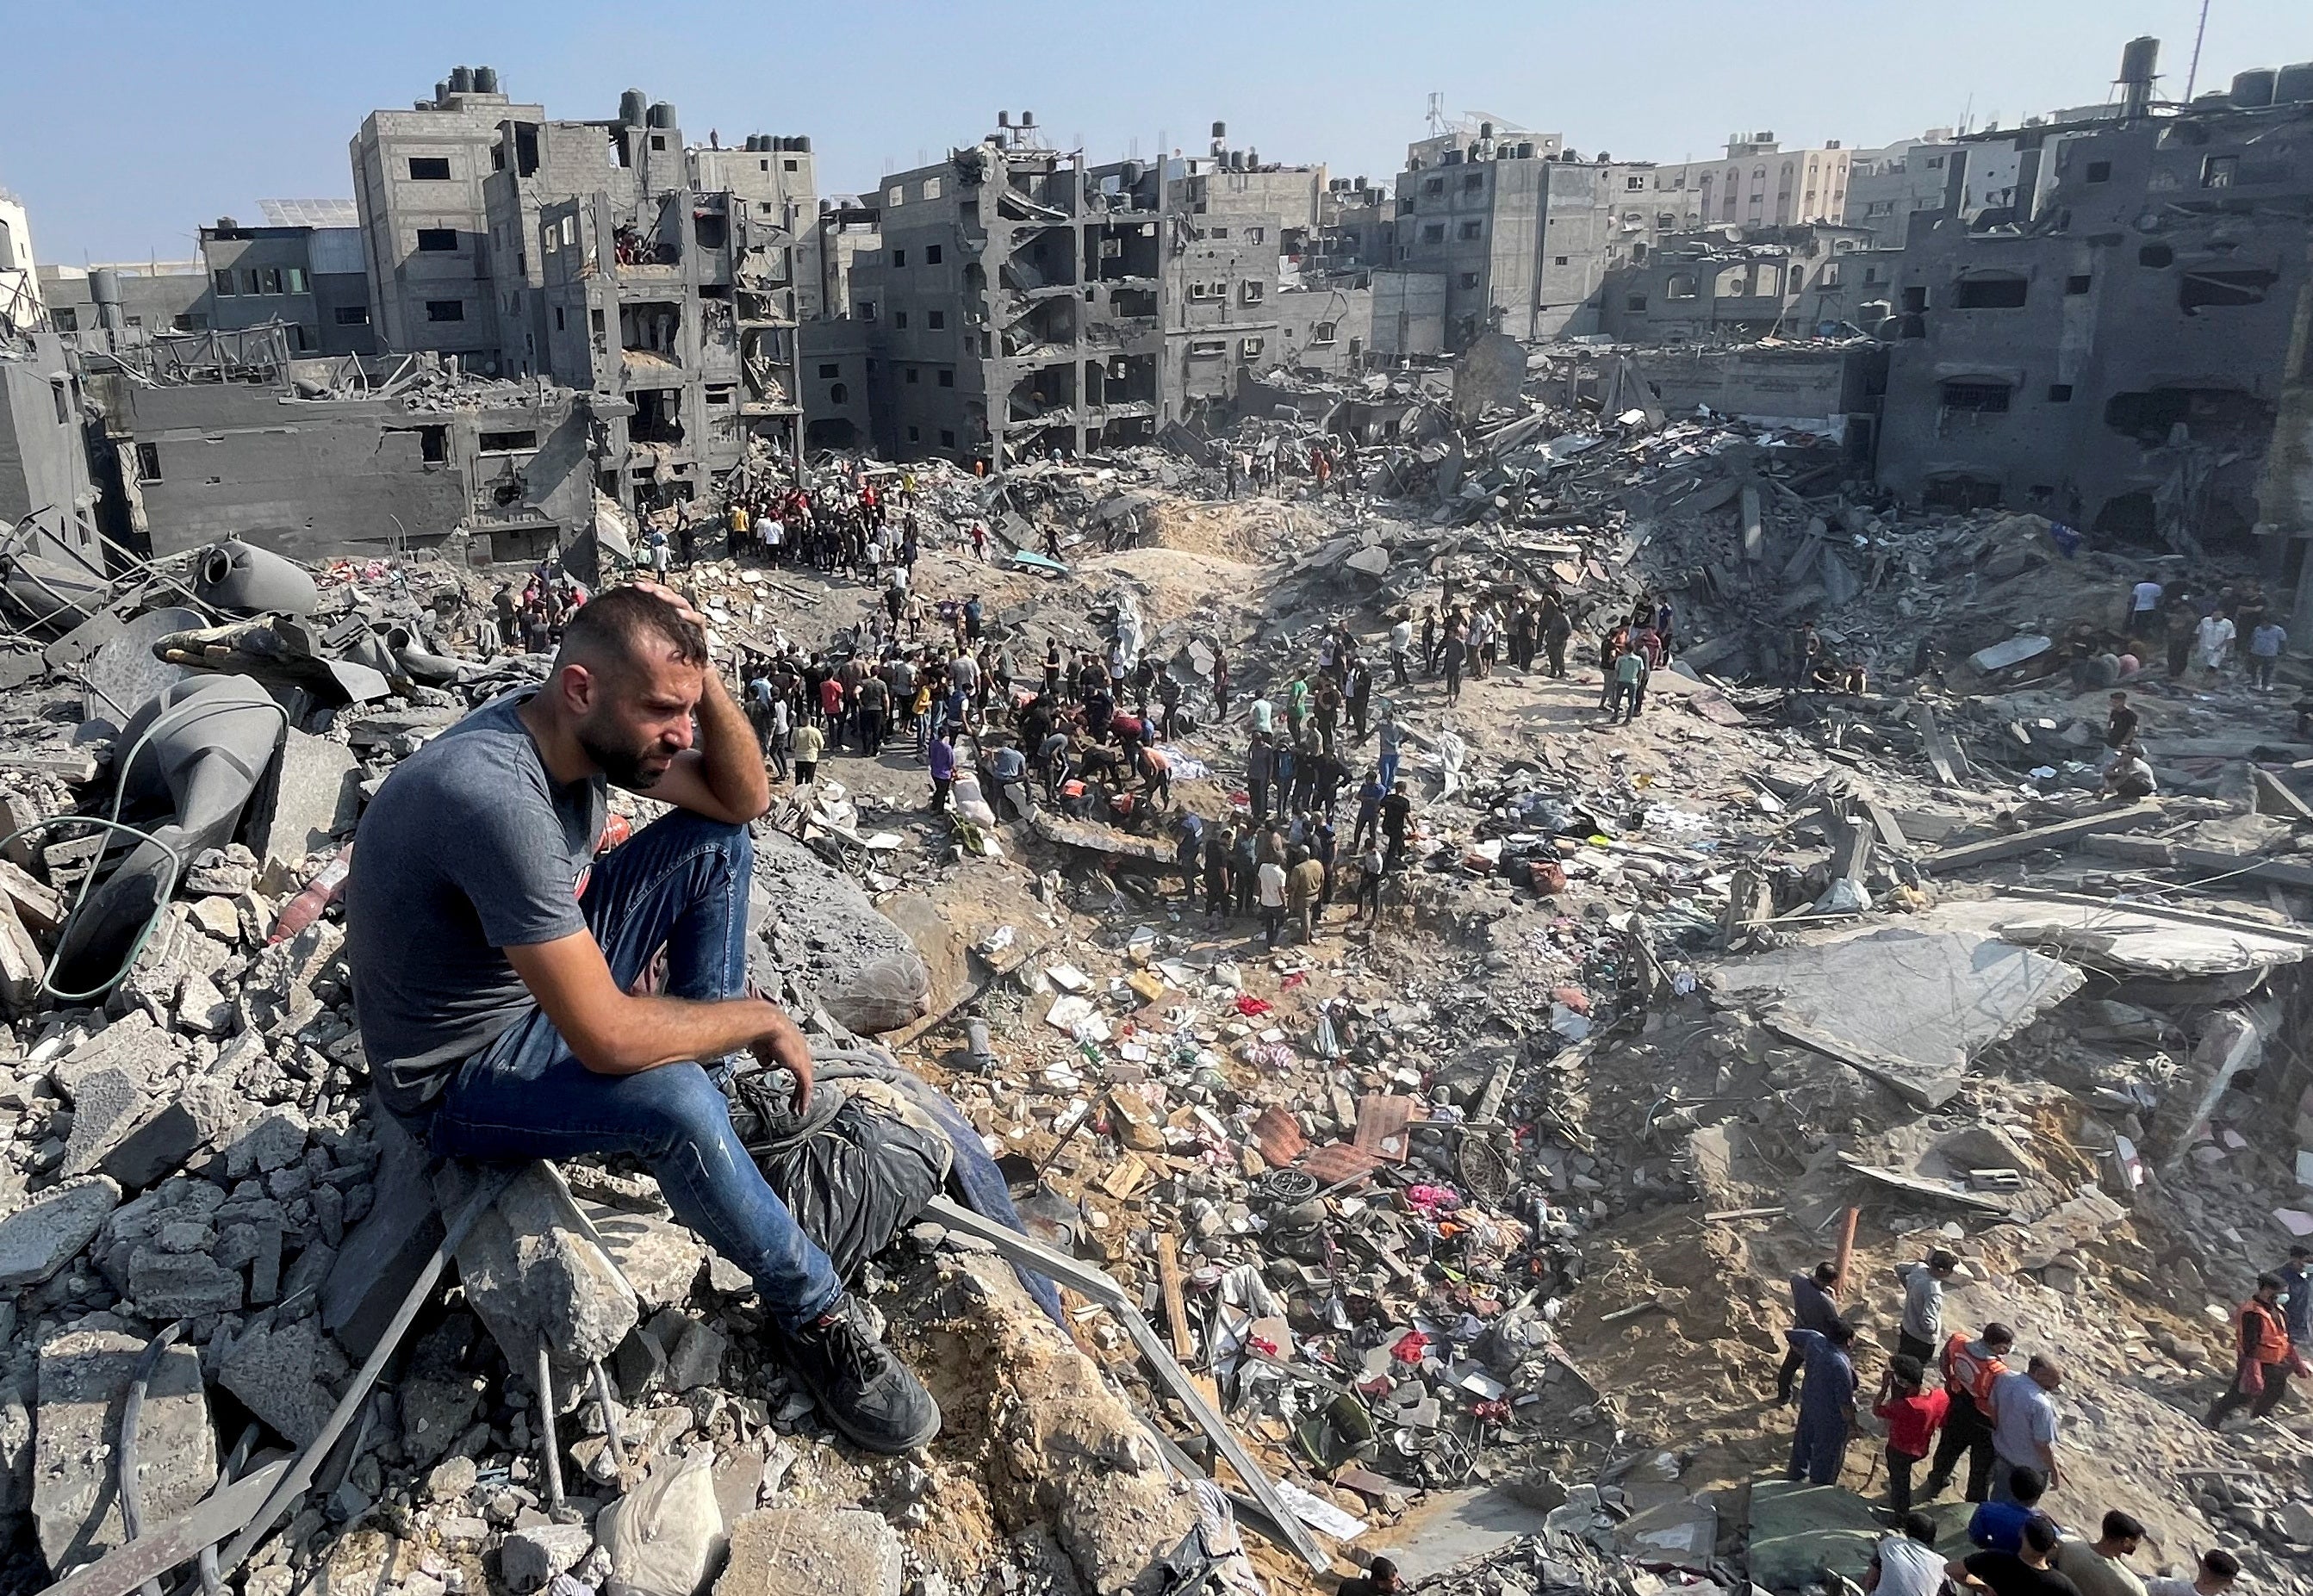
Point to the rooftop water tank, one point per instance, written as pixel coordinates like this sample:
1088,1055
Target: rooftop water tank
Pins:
486,80
2293,85
630,108
661,115
2253,89
462,80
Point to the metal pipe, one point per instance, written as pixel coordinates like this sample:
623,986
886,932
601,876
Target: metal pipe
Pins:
132,1409
546,1438
609,1418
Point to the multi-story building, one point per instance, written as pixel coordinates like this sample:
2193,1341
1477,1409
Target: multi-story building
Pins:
418,185
682,301
2126,356
1886,185
1019,301
119,304
303,269
1757,184
1708,286
1523,235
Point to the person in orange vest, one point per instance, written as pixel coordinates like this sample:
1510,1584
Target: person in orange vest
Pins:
1970,1369
2262,1358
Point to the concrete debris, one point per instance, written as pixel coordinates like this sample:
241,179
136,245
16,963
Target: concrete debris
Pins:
843,1553
83,1374
1462,1173
44,1234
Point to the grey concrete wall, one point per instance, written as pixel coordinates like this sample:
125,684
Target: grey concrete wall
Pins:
1409,316
2131,407
43,455
1821,383
149,304
1344,312
322,477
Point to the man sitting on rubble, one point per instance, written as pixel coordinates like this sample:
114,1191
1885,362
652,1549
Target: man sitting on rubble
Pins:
496,967
2129,777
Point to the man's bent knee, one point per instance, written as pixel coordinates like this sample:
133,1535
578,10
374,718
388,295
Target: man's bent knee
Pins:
678,1103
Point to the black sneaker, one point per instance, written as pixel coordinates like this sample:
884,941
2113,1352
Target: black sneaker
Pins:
865,1392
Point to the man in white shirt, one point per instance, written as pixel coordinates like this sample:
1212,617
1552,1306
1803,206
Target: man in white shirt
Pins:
2215,1577
2144,606
1273,900
2212,642
1907,1564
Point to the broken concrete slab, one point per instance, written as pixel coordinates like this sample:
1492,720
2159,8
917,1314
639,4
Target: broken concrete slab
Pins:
287,1376
132,1044
313,798
812,1552
533,1273
47,1232
1907,1007
529,1558
384,1254
2128,939
108,1104
2134,817
660,1258
201,1114
83,1375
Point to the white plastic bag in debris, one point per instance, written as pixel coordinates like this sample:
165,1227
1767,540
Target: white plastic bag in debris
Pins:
667,1532
1451,752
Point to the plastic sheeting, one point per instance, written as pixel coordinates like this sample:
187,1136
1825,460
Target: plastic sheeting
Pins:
855,1172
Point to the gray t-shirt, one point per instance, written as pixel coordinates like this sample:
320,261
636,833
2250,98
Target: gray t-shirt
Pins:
469,848
1923,1305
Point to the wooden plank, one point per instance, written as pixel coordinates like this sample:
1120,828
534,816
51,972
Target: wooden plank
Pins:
1176,1307
2132,817
1938,747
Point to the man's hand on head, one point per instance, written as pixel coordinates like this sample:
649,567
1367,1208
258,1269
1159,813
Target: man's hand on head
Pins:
680,605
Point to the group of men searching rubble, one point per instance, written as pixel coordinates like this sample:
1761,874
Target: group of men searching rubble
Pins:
1946,1397
843,526
1328,462
2201,631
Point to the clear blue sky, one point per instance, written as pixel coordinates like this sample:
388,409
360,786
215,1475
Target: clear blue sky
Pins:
127,126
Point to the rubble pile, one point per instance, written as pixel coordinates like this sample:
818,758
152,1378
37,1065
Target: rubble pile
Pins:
1484,1198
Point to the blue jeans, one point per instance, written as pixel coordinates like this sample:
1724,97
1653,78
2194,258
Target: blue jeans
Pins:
680,884
1388,773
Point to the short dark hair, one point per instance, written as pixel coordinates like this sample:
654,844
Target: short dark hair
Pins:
2268,1281
2300,1251
2120,1526
2221,1563
1919,1527
1942,1259
616,622
2027,1484
1996,1334
1825,1274
1382,1568
2040,1533
1906,1368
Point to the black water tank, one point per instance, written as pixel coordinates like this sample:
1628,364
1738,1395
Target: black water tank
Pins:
800,144
630,108
462,80
2253,90
486,80
660,115
2293,85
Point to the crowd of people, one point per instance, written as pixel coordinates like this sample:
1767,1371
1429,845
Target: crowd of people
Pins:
1948,1399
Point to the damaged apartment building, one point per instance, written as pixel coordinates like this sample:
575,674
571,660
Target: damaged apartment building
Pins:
1522,230
2125,347
606,256
1025,304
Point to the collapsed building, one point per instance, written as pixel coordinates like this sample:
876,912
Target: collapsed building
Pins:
2121,348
